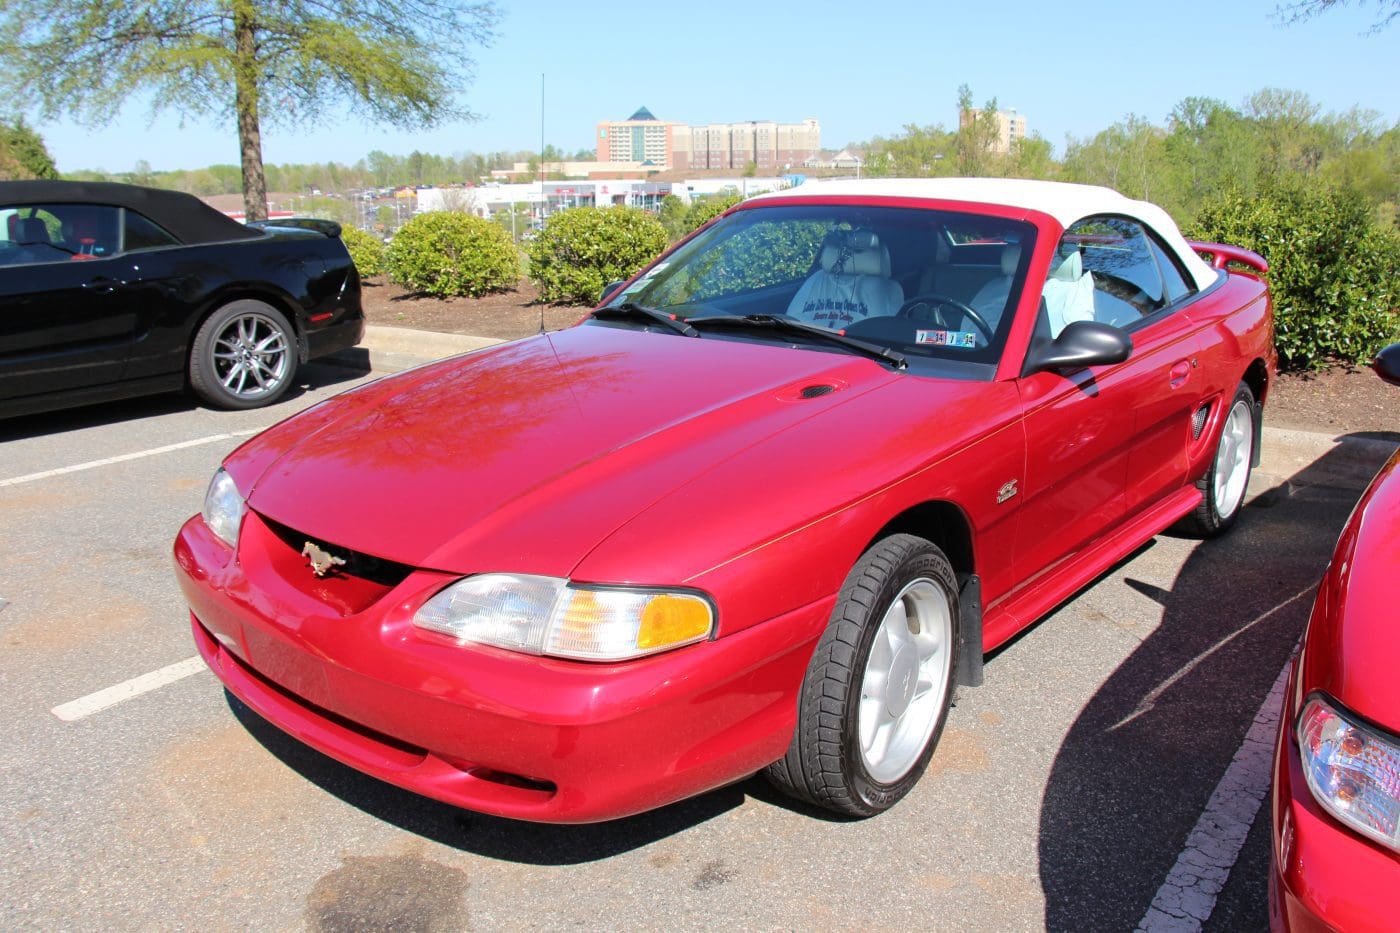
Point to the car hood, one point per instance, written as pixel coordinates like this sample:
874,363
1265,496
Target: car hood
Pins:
526,456
1352,651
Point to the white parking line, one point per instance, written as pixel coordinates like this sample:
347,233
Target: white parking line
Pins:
1187,898
108,461
128,689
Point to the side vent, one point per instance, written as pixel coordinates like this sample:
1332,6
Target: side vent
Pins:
1198,422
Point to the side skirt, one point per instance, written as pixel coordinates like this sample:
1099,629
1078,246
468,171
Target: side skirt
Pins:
1085,567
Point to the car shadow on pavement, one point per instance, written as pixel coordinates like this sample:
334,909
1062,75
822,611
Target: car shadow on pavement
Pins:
310,376
1145,755
493,837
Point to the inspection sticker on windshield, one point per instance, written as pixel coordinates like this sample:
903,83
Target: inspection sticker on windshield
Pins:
947,338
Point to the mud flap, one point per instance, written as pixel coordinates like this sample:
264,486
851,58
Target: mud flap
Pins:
1255,460
970,632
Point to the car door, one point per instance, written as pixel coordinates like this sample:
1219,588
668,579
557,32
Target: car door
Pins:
1140,288
1078,430
62,323
166,283
1105,444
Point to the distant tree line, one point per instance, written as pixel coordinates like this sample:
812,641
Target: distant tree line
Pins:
378,169
1205,149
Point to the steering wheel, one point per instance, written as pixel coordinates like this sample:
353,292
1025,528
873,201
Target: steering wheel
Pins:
935,302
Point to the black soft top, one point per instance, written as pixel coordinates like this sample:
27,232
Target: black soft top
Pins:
185,216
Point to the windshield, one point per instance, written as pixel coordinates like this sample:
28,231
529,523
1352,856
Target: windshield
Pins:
934,286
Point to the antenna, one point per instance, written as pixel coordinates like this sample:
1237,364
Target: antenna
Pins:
541,174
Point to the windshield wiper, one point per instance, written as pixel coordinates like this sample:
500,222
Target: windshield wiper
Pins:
794,326
635,311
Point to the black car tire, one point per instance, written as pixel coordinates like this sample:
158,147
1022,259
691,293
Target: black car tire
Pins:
243,356
1224,483
902,592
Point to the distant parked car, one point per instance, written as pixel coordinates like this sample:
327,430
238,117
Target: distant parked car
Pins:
760,512
1336,792
109,291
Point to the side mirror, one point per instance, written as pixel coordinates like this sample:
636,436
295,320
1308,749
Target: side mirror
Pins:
1387,364
1080,344
611,287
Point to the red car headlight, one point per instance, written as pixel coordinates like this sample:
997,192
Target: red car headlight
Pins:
1352,769
549,615
224,508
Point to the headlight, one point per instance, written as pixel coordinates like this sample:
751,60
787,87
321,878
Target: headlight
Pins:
549,615
1353,770
223,508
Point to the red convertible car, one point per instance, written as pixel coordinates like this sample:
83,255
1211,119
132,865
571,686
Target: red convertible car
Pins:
1336,790
761,511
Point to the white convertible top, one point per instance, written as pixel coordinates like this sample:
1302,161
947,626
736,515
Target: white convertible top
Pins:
1065,202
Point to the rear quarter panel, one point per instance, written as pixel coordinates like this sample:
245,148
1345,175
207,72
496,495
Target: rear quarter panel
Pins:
300,274
1238,330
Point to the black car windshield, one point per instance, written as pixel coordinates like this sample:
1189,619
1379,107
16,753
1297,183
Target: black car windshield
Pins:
936,287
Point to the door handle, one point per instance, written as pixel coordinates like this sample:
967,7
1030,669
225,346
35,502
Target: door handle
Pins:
1179,372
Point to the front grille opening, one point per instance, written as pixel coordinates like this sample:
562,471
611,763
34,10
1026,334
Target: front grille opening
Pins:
386,573
513,780
1198,421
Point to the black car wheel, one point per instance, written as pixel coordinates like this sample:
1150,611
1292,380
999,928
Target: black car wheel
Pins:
877,691
243,356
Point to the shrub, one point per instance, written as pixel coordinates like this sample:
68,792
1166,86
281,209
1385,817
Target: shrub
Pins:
366,250
584,248
448,253
1334,273
704,209
672,216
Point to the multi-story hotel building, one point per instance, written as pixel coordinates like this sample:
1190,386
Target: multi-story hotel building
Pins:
766,144
1011,127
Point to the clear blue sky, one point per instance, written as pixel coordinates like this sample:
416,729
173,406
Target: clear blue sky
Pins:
862,69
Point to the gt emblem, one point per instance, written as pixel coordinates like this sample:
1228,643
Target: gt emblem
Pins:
1007,490
322,562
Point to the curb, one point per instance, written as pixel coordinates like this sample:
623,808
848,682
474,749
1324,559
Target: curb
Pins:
1312,457
1343,446
394,349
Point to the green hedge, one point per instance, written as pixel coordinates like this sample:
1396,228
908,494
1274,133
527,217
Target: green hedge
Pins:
707,207
1333,271
584,248
366,250
448,253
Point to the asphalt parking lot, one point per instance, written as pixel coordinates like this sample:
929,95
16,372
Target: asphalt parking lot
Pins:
1105,777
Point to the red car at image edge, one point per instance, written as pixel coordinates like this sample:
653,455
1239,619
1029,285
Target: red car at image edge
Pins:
762,510
1336,788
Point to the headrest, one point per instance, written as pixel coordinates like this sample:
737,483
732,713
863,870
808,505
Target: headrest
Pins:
1070,267
32,230
1010,258
83,224
857,252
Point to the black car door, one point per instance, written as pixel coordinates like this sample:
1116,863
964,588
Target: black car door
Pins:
63,325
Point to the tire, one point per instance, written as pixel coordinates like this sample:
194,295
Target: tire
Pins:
876,693
243,356
1223,485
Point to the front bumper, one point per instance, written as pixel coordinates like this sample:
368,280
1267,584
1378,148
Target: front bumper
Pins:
340,666
1322,876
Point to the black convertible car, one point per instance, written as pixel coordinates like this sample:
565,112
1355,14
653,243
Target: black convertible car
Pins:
109,291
